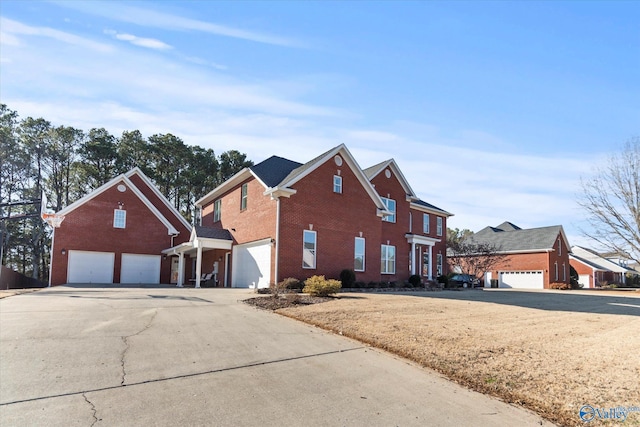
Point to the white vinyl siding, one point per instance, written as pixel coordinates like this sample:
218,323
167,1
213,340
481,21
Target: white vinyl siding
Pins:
358,262
309,249
388,259
119,218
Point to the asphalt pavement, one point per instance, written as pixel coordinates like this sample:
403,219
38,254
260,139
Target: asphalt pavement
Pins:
162,356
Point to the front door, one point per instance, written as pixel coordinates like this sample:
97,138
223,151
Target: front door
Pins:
175,264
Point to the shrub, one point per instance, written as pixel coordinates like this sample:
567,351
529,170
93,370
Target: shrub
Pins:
348,278
561,286
359,285
292,283
318,286
443,279
415,280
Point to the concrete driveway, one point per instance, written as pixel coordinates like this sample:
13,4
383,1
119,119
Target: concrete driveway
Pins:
166,356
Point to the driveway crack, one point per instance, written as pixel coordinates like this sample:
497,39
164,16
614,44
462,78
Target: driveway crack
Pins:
93,409
125,340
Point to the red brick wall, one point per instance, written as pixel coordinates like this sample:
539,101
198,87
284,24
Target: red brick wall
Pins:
544,261
90,228
337,219
256,222
583,269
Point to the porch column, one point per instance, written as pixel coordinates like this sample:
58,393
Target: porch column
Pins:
198,264
430,277
413,258
180,269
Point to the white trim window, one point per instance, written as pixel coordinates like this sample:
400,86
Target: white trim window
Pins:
387,259
309,239
217,210
119,218
439,264
564,272
556,264
439,226
559,247
425,223
358,255
243,196
337,184
390,204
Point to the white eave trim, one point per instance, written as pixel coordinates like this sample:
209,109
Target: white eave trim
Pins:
236,179
277,192
171,230
428,210
421,240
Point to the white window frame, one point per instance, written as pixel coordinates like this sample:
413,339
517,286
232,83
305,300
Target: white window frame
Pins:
337,184
387,202
439,264
556,265
217,210
312,251
385,259
244,190
564,272
439,226
425,223
119,218
356,254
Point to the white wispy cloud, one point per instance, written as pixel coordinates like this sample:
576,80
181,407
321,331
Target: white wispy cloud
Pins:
12,29
139,41
124,12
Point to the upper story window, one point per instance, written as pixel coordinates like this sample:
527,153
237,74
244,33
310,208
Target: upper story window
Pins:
439,226
425,223
337,184
559,247
243,196
217,210
391,207
119,218
309,239
358,256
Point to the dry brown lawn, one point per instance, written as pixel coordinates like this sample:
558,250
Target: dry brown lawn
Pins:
552,352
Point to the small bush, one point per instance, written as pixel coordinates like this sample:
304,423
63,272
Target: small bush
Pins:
443,279
318,286
360,285
292,283
561,286
348,278
415,280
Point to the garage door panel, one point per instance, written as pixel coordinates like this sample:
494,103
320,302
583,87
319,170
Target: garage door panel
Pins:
521,279
90,267
252,265
139,268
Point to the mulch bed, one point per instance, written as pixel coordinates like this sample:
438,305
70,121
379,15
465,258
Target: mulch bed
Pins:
273,302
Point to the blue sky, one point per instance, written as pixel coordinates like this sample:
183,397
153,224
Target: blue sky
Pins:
493,110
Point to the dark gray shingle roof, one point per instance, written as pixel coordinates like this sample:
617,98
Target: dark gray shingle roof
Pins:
213,233
275,169
531,239
430,206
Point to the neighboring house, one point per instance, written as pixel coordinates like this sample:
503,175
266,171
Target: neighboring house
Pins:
116,234
281,218
595,270
532,258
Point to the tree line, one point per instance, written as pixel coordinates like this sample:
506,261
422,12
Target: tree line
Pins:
66,163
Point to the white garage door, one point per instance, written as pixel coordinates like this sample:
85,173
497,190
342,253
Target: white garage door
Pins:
521,279
138,268
90,267
251,265
583,279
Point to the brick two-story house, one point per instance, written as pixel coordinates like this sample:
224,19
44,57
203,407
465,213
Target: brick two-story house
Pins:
282,219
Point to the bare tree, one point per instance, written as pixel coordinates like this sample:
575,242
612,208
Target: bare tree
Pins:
611,201
471,257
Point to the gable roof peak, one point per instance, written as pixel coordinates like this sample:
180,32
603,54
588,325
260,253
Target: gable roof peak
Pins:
508,226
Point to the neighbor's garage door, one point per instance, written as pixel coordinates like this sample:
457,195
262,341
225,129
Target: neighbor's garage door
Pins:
138,268
584,280
90,267
251,265
521,279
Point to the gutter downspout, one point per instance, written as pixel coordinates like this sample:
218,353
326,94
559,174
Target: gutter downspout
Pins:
277,239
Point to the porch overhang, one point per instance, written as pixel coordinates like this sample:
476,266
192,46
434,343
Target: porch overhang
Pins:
421,240
416,239
194,249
